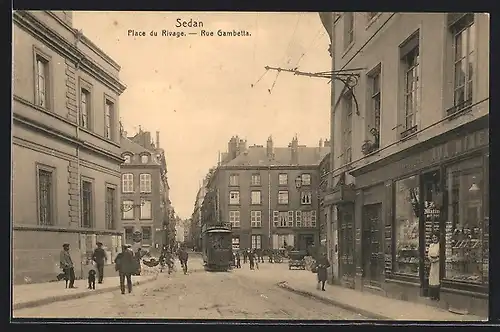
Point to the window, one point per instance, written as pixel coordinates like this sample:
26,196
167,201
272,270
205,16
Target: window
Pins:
45,197
256,219
234,218
146,234
280,218
146,209
464,37
145,183
233,180
144,159
127,159
410,61
256,241
128,183
283,179
129,237
467,227
374,116
87,210
305,197
290,219
128,210
108,119
236,242
85,104
306,179
347,130
283,197
309,218
256,197
110,208
348,29
298,218
406,233
42,82
234,197
282,241
255,180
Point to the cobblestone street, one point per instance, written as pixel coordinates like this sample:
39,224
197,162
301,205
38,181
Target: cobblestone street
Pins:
239,294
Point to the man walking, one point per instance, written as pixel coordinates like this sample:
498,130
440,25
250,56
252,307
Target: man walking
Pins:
183,257
99,258
238,260
245,256
66,264
125,265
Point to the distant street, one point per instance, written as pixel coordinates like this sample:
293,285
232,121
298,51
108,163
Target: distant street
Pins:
239,294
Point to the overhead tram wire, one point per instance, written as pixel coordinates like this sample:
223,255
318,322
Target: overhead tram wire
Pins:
291,38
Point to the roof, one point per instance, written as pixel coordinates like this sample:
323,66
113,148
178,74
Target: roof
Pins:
257,156
128,146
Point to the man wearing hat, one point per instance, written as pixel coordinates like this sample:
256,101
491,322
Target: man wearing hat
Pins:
126,265
99,258
66,264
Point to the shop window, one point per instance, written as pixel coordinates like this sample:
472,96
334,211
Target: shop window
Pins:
406,226
466,238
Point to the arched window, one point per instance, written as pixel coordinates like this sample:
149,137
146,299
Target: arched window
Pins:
144,159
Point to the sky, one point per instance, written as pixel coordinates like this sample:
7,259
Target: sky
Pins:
197,90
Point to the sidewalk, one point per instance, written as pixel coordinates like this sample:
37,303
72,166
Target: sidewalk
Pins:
34,295
371,305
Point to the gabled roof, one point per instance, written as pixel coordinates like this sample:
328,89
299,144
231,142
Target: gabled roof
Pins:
257,156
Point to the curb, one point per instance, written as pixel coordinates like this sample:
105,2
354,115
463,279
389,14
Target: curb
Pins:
66,297
362,312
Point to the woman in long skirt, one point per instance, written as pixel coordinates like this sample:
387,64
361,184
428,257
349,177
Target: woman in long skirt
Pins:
321,266
434,280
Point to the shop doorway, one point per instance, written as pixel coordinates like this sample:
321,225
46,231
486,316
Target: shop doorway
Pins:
431,204
306,242
346,244
372,251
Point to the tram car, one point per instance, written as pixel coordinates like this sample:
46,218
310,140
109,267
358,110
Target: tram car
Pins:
217,246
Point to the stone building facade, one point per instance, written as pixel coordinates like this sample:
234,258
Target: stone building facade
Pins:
410,154
66,146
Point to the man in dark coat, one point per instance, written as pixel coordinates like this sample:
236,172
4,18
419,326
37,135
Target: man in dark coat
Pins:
322,264
245,256
183,258
238,260
66,264
126,265
99,258
251,258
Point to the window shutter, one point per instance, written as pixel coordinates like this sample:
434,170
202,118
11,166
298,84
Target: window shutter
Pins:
276,218
291,240
275,241
389,192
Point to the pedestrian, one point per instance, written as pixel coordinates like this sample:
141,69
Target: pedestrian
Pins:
251,259
256,255
261,256
138,256
183,258
66,264
245,256
434,279
238,260
322,264
126,266
99,257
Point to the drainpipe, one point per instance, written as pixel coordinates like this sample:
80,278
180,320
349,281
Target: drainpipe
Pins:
269,207
78,174
329,226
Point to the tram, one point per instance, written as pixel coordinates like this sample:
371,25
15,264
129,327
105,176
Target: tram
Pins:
216,246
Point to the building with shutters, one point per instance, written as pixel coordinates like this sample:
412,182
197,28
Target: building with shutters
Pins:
410,155
145,209
65,146
269,194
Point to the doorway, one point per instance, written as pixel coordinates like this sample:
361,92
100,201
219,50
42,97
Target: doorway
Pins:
431,204
306,242
372,251
346,244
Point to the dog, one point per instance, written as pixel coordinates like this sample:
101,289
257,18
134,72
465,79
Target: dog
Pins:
91,279
62,276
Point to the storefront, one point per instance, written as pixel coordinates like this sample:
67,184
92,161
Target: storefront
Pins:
441,187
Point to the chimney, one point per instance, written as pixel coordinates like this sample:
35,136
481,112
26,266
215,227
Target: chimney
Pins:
269,148
157,139
327,143
232,148
320,143
242,146
295,150
146,139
